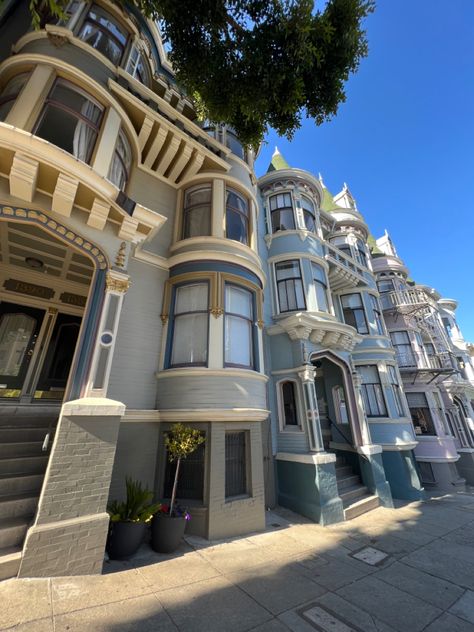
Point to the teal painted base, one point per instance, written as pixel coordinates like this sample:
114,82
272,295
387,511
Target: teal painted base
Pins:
465,466
373,475
310,490
402,474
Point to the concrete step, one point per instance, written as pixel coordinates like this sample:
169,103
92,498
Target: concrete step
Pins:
347,481
361,506
10,559
13,531
23,448
18,505
19,483
344,470
21,434
350,494
25,464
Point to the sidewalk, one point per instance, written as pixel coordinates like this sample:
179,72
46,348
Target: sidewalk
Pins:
418,574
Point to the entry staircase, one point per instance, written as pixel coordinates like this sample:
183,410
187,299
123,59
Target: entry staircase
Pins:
26,434
355,496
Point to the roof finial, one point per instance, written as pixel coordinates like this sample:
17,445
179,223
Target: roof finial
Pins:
276,152
345,187
320,176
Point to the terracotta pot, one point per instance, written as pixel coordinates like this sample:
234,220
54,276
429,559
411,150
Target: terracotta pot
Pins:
124,539
167,532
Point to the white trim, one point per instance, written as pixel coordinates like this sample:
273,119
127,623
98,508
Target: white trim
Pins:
204,372
399,447
437,459
284,428
369,449
214,255
93,407
213,414
319,458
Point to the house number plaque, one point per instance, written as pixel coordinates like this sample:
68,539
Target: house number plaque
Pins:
13,285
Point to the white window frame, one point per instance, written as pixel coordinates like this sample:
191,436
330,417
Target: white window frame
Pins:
281,408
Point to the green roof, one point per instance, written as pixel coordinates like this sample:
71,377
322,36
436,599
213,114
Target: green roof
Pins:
277,162
374,249
327,203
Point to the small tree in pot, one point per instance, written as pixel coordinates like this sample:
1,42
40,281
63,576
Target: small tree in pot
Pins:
168,528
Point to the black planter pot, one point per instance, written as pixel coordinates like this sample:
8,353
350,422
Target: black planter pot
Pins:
124,539
167,532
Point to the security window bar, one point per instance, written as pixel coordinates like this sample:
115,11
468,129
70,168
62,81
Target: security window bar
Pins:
379,323
289,286
309,214
190,325
320,287
353,310
238,327
71,120
372,394
197,212
281,210
104,33
121,162
290,415
237,218
397,391
235,464
420,414
191,476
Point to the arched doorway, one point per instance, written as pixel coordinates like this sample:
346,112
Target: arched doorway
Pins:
46,277
336,401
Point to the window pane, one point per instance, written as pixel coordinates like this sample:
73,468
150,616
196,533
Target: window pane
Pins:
121,162
318,272
283,219
104,33
289,404
190,339
238,341
351,300
197,222
191,298
198,196
238,301
321,297
235,464
76,100
399,337
369,374
307,205
288,270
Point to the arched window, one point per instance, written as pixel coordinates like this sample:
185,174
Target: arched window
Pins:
137,66
105,33
309,214
237,217
70,119
281,210
288,401
197,211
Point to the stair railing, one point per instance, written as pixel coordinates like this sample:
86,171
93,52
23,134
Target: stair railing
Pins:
344,436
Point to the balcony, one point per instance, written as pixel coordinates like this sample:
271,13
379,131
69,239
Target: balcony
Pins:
344,272
425,368
406,301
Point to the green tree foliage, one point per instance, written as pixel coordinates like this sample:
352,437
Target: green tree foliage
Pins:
259,63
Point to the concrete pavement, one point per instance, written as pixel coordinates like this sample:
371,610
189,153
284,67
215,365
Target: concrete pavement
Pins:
406,569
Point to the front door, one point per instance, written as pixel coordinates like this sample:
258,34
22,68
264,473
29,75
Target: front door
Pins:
58,360
19,329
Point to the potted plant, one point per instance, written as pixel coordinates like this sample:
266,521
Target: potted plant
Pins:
168,526
128,520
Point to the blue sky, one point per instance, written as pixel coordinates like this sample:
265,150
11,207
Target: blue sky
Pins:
404,142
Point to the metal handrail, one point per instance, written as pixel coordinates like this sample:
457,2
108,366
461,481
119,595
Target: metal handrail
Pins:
348,441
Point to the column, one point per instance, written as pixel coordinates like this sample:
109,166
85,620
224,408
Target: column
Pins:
116,284
315,436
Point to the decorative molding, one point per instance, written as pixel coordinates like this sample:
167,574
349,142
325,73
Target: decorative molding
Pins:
214,414
205,372
59,230
216,311
116,284
317,458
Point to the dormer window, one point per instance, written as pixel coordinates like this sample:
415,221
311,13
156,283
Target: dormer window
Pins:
104,33
281,210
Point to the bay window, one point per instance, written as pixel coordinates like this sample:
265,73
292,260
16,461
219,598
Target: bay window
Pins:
372,395
234,144
237,216
354,314
289,286
403,348
197,211
238,327
397,391
309,214
420,414
379,323
104,33
190,325
70,119
281,210
320,287
361,256
121,162
138,67
385,285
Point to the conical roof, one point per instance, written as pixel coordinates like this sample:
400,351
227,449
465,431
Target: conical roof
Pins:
277,162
